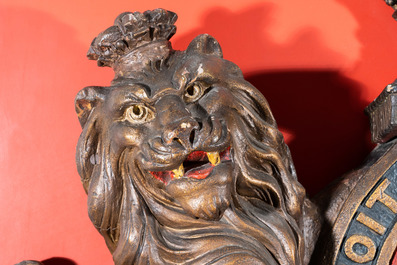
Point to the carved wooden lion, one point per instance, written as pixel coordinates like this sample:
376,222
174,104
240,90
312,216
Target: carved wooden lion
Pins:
181,157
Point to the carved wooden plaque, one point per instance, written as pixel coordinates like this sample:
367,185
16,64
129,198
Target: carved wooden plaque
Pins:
360,211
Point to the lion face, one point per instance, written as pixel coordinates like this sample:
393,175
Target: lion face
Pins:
183,148
177,132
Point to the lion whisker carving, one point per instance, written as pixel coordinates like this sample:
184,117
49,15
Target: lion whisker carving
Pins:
181,157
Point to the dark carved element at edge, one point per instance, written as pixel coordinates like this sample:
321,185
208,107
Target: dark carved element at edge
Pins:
382,113
393,3
29,262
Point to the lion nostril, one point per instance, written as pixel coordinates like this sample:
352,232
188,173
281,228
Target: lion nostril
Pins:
192,136
200,125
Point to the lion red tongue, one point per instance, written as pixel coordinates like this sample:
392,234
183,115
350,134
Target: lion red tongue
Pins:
196,172
200,172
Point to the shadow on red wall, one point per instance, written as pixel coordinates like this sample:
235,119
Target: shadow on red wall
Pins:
324,111
58,261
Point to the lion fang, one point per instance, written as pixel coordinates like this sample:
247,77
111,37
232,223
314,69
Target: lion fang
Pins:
178,173
214,158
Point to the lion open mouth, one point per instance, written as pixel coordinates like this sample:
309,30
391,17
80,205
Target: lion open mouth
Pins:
197,165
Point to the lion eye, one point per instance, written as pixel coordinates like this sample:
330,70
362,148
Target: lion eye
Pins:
193,92
138,114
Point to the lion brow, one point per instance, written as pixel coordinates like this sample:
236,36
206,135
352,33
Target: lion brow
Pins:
137,92
146,88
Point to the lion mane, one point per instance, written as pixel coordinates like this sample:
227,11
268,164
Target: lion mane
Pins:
260,214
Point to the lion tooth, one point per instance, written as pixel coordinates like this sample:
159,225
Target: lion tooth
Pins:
214,158
179,172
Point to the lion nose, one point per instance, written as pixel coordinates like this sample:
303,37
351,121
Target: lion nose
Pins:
177,122
182,131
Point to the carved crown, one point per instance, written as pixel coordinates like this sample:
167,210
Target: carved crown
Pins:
135,39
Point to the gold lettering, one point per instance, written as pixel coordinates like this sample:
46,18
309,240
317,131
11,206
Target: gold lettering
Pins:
371,223
380,195
363,240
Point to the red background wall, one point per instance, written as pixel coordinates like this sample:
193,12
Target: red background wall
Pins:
319,63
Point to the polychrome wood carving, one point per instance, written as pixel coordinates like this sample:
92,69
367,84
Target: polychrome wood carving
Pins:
181,157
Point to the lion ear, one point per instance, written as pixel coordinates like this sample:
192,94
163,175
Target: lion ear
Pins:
86,100
205,44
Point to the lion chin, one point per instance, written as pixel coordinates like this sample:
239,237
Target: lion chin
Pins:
204,191
183,163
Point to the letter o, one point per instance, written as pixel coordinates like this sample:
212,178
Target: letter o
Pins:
363,240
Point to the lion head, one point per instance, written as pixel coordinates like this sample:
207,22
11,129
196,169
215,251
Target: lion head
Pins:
183,162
